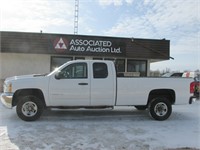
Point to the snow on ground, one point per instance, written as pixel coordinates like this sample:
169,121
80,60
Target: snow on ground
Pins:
120,129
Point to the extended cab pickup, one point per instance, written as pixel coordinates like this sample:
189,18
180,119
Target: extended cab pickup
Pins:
93,84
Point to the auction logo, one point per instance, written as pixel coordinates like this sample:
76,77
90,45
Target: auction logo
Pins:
60,44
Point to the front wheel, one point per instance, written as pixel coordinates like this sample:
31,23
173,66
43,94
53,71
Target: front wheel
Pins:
160,108
29,108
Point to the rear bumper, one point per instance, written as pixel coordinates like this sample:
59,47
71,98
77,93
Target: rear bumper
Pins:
197,95
192,99
6,99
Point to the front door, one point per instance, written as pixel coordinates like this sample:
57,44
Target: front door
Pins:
71,86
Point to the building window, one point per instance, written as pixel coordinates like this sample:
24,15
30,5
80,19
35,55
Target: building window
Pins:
139,66
97,58
58,61
79,58
120,65
100,70
111,59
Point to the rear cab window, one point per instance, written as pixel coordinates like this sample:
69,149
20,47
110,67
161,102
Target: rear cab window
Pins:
100,70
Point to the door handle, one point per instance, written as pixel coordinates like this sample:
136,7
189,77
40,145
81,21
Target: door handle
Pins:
83,84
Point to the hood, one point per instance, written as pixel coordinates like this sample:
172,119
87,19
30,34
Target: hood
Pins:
24,77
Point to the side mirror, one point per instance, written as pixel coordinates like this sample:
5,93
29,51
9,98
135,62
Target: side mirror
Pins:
58,76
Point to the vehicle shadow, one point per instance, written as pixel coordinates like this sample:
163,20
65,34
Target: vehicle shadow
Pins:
94,114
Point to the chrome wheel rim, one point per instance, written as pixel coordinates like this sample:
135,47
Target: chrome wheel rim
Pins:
29,109
161,109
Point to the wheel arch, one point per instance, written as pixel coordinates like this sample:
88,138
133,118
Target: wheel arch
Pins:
168,93
24,92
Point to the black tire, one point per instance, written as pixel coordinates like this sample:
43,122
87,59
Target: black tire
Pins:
141,107
160,108
29,108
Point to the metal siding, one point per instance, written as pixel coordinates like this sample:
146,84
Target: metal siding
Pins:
42,43
153,49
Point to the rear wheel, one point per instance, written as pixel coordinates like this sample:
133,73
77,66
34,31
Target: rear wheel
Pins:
29,108
160,108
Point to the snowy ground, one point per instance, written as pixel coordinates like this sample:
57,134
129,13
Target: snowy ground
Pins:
120,129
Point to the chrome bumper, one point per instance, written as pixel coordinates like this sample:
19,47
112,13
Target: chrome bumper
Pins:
6,99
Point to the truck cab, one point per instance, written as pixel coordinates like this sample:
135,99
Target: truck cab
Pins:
83,83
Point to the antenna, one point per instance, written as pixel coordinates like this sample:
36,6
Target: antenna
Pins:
76,17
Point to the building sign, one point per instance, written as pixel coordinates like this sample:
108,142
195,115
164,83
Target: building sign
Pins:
60,44
94,46
89,46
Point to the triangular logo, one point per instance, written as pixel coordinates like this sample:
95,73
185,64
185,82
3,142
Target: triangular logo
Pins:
60,44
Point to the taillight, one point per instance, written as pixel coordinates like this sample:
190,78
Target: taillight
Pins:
194,87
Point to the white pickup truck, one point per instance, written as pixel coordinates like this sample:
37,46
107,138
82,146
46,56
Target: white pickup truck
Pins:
93,84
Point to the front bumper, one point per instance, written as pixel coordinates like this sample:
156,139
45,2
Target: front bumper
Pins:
6,99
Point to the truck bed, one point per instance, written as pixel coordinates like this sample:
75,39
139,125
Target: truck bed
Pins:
136,90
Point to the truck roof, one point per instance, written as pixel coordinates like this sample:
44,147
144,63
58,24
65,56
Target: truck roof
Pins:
90,61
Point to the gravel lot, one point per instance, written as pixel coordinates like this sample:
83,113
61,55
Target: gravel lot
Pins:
120,129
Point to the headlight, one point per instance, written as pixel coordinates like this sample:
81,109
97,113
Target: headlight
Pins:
8,88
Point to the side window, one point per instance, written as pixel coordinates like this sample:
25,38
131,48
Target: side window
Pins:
100,70
74,71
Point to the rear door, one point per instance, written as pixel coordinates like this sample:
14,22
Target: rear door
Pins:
103,84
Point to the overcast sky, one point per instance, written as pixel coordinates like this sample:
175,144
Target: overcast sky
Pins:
174,20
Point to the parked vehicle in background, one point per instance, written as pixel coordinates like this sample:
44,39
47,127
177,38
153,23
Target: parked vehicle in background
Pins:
188,74
173,74
93,84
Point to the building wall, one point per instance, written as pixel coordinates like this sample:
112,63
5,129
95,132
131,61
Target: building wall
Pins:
13,64
84,45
